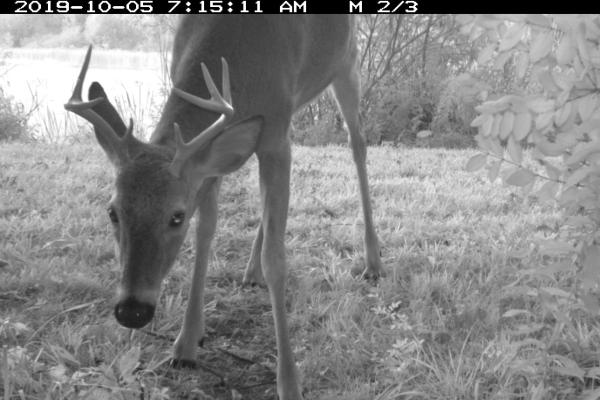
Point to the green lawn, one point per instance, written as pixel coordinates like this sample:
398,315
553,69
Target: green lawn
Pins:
456,249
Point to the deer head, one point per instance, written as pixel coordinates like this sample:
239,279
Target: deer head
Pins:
157,185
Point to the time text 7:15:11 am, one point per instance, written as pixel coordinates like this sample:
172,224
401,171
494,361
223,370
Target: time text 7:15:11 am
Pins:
214,6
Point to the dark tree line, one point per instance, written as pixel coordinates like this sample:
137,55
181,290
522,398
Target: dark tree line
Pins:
419,75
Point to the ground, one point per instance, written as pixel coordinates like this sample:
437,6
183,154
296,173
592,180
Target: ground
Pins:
451,320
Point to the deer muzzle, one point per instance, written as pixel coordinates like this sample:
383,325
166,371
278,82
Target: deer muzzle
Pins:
134,314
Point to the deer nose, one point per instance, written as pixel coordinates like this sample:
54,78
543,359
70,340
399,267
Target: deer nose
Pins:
132,313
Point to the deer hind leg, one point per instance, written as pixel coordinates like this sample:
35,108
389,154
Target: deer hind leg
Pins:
192,331
346,88
253,274
274,170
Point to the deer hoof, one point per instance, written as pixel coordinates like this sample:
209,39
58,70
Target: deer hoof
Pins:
252,284
368,274
372,276
182,364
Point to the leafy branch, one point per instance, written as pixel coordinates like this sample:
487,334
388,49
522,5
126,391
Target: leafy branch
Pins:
555,118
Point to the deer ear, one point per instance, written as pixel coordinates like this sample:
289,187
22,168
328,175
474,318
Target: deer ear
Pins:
105,109
108,112
231,148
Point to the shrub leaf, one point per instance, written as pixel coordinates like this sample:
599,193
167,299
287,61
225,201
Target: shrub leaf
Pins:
520,177
476,162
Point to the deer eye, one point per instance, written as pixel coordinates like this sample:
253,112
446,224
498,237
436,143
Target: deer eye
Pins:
177,219
112,214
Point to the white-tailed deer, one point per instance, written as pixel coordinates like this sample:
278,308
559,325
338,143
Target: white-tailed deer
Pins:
274,65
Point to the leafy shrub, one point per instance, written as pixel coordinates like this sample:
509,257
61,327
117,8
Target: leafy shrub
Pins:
70,36
456,107
400,110
388,119
13,119
114,31
554,115
329,130
561,126
21,30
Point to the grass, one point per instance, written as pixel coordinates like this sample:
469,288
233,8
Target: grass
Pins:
455,318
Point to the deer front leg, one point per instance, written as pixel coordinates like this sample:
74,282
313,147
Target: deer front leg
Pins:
275,187
192,331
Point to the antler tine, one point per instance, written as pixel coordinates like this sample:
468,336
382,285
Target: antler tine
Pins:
129,132
85,110
76,96
182,152
179,143
225,77
218,102
76,102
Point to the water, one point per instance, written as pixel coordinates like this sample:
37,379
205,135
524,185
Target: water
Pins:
133,81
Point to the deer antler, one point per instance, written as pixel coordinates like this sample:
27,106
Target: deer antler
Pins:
85,110
217,103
